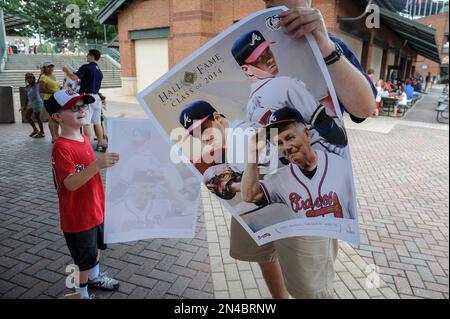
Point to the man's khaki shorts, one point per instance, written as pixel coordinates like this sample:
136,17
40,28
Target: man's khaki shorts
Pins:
307,262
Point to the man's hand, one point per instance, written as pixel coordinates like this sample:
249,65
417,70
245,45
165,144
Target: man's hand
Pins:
75,181
107,160
302,20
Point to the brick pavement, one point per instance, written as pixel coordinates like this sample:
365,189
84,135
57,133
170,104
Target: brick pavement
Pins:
401,176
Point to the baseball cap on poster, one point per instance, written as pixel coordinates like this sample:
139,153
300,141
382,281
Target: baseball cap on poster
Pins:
249,47
66,99
195,114
284,115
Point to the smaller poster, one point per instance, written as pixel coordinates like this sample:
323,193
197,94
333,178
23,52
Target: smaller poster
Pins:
147,195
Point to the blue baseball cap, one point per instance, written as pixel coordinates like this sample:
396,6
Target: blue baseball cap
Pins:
195,114
249,47
284,115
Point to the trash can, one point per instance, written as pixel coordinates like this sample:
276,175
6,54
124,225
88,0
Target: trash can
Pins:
6,104
23,96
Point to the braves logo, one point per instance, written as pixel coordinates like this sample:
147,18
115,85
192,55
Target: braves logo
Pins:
186,120
264,236
272,119
322,205
273,22
70,92
255,38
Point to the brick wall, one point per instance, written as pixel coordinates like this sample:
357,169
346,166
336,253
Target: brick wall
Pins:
193,22
441,23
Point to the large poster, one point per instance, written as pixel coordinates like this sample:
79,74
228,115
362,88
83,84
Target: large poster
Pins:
147,196
253,80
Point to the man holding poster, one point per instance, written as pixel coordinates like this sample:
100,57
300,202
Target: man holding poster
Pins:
208,93
311,252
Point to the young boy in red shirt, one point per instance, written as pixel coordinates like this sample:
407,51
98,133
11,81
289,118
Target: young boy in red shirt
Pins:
80,190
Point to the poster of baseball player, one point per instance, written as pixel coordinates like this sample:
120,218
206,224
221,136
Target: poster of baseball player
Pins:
261,130
147,196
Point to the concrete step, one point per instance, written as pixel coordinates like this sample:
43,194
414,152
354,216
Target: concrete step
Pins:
111,78
31,61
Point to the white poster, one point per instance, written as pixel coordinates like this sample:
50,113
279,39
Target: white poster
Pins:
254,77
147,196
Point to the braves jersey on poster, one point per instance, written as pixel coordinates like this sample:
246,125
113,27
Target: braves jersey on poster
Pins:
326,194
276,93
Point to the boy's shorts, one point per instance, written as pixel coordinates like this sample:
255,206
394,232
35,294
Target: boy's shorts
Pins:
94,111
36,106
84,246
307,262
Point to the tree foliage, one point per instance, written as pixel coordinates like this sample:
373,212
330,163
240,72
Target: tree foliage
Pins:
49,17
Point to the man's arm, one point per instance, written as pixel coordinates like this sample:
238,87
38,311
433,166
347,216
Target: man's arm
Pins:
250,186
358,100
75,181
70,74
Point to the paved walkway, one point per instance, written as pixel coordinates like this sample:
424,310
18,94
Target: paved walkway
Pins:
401,176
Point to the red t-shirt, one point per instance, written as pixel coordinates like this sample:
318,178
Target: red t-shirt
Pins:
84,208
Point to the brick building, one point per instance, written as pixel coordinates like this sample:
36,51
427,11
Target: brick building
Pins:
441,24
154,35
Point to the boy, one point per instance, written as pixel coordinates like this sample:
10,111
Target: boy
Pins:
90,77
80,189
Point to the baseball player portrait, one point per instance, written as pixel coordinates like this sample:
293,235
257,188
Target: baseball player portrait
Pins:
270,92
224,141
315,184
147,193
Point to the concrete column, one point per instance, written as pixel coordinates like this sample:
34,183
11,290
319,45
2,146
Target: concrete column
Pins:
366,58
383,71
127,56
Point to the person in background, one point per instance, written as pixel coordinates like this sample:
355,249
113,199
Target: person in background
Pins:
409,90
371,75
33,105
48,85
379,97
90,77
427,83
387,86
402,105
418,86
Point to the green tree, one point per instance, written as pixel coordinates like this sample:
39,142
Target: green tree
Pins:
49,18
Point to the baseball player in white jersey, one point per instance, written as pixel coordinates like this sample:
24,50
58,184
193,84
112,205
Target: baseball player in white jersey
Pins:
225,143
270,93
315,183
